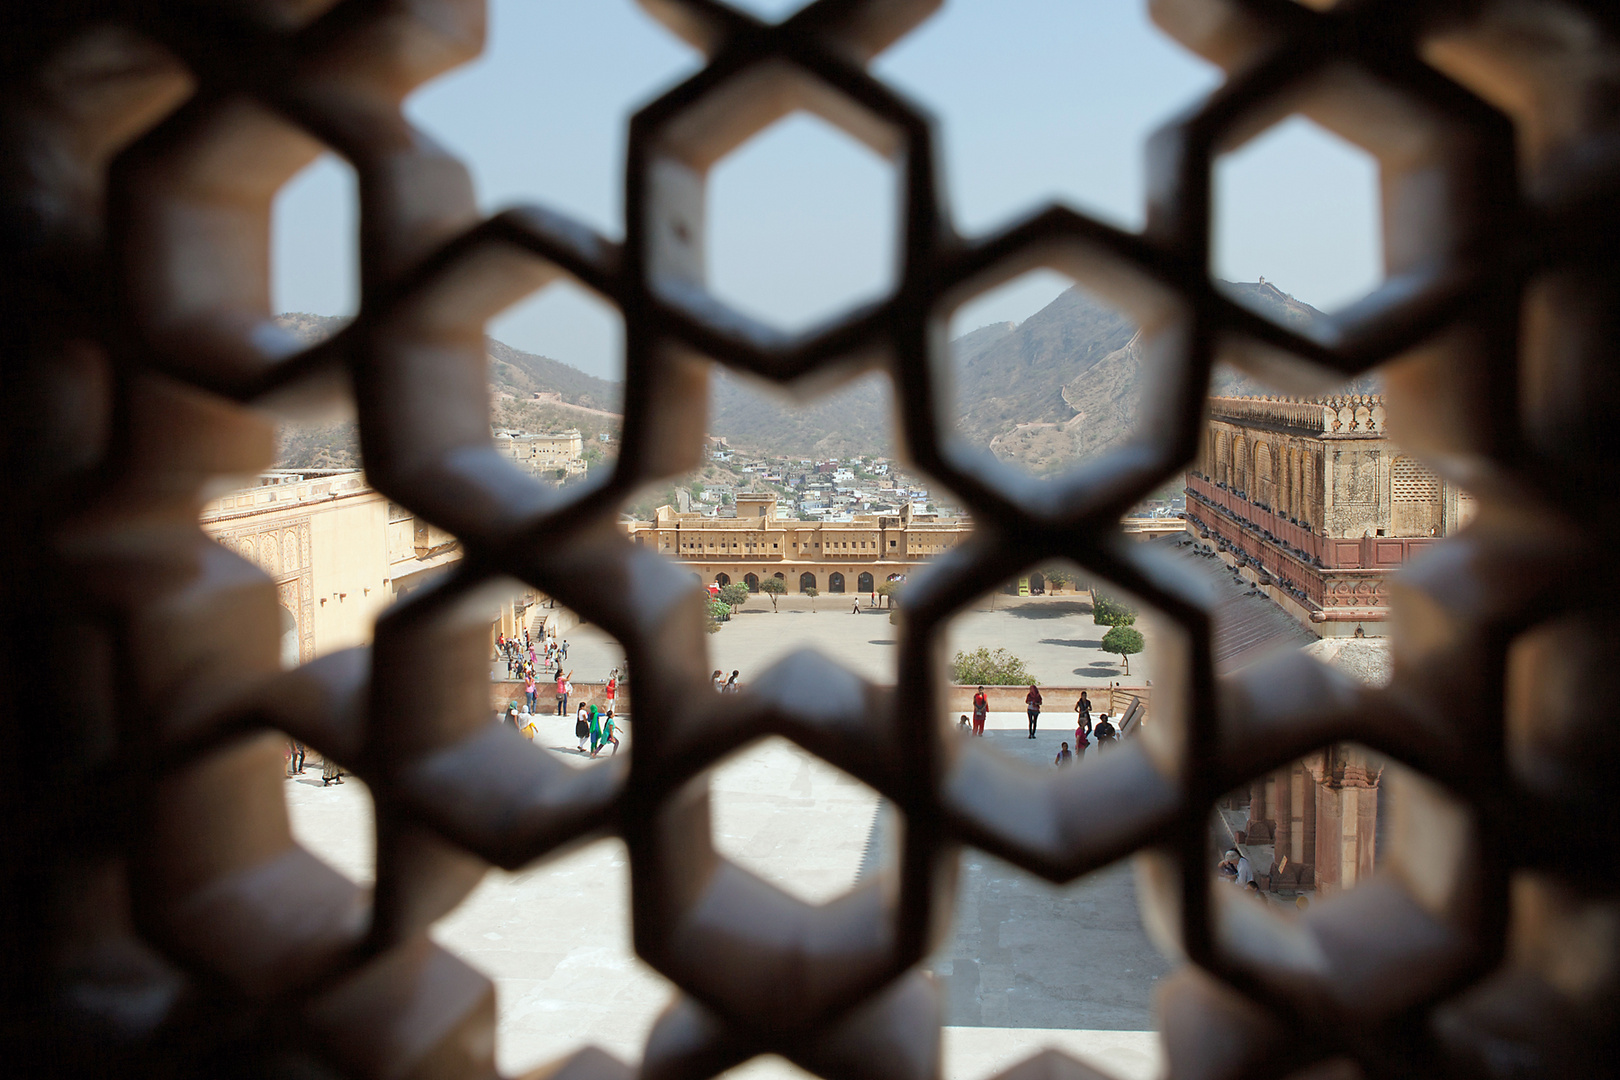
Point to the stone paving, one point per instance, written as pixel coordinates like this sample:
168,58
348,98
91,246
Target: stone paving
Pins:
1026,965
1053,635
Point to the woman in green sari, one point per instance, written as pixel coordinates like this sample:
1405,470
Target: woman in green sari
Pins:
596,730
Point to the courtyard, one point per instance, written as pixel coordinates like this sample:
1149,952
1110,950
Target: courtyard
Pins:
1053,635
1025,966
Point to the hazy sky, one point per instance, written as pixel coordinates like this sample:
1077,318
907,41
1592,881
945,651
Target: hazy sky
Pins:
1036,100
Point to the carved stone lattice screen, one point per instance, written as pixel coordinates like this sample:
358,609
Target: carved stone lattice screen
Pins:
158,917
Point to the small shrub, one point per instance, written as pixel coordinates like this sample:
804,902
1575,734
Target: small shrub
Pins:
982,667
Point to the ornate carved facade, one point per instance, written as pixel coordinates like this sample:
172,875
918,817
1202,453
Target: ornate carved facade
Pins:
1315,504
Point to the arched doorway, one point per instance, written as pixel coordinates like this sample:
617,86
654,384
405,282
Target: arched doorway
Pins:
722,580
864,583
752,581
1037,583
807,581
289,639
779,576
835,583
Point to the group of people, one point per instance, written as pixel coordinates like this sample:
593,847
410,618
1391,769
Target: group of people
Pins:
523,661
596,725
724,685
1103,731
295,754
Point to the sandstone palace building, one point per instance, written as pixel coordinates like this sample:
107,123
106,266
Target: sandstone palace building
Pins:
831,556
1312,502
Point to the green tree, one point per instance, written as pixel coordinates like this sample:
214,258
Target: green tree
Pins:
982,667
715,612
725,498
697,489
1124,642
812,592
1057,577
890,591
1106,611
772,587
734,595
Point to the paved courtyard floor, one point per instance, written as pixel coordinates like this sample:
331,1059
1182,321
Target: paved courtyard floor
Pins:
1053,635
1026,965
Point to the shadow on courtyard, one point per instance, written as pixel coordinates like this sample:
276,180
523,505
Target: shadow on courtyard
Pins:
1051,609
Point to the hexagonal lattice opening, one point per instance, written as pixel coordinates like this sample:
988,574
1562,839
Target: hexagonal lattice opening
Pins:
802,224
1297,226
315,249
1339,854
808,828
604,60
802,525
1055,103
534,639
331,813
1028,964
1306,499
556,376
1050,388
555,939
1057,658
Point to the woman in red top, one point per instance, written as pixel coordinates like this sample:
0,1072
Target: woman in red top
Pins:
1033,701
981,707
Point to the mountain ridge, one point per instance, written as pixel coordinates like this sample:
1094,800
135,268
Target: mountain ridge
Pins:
1061,386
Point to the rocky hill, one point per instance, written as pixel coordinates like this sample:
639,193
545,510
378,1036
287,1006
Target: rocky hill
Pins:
1059,387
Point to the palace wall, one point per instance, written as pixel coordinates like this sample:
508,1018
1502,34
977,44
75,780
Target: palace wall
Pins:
337,551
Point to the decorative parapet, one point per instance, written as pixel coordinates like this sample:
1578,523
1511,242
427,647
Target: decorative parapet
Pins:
1341,415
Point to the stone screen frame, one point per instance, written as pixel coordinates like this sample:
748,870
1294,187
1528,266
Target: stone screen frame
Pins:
152,886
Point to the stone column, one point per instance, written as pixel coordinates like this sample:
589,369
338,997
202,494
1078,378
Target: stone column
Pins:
1297,789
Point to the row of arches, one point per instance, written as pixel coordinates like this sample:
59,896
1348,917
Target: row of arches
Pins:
836,582
1284,479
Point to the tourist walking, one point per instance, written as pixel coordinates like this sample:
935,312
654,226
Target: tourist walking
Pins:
330,772
1082,736
564,688
563,649
1104,733
582,728
718,679
1082,709
1032,704
295,758
611,690
607,732
857,609
531,692
981,709
595,721
1063,756
731,686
